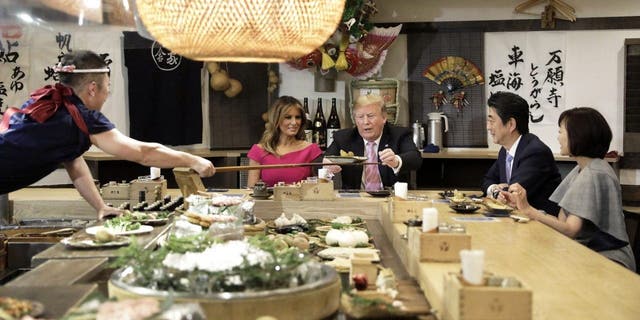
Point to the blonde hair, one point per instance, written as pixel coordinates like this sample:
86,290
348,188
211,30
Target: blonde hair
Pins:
369,99
276,114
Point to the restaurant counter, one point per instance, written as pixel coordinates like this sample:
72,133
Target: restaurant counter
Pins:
568,280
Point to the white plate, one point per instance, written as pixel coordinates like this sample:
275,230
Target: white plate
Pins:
90,243
142,229
339,252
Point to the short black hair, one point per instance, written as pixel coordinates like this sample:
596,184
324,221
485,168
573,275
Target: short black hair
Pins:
510,105
81,59
588,132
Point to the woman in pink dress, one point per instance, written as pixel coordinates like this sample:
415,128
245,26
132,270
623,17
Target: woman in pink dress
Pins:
283,142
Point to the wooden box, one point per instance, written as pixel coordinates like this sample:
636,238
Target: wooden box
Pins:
317,191
403,210
115,191
154,190
438,247
362,263
468,302
287,192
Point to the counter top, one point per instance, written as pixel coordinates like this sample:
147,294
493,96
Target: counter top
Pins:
59,251
484,153
202,152
568,280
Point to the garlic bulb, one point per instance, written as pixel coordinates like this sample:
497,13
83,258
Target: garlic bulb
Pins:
297,219
342,220
282,221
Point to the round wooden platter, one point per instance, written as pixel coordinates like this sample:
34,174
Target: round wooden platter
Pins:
318,302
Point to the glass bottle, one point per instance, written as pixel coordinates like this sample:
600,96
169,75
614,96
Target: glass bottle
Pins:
333,124
320,127
308,125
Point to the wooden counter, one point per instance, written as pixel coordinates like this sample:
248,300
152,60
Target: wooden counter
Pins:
483,153
568,280
59,251
202,152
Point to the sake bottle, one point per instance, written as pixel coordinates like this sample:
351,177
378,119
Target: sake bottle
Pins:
333,124
308,125
320,127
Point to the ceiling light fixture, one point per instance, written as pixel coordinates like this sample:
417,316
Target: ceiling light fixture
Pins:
241,30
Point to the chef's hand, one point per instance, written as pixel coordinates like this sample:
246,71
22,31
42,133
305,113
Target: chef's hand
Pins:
388,158
332,169
203,167
107,212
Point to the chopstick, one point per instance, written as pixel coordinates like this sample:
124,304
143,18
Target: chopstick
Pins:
289,165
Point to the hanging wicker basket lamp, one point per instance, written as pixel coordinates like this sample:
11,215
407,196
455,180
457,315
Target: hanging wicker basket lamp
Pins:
241,31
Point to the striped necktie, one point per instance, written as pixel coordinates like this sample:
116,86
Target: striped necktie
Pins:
508,166
371,173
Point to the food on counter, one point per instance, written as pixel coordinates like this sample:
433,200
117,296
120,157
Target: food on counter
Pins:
236,265
121,224
458,197
133,309
346,154
339,252
15,308
347,238
283,221
386,282
298,240
342,220
360,281
205,220
103,235
496,205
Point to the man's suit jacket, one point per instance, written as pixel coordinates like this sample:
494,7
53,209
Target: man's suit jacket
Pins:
399,139
533,167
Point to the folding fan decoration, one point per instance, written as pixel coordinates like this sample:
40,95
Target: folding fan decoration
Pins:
454,73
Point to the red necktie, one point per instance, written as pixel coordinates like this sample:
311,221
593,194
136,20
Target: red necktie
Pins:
371,173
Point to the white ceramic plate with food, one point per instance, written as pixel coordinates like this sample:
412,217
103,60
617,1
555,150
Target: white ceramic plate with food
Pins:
345,159
340,252
142,229
87,242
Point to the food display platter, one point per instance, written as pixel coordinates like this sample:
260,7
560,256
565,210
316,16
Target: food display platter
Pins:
315,300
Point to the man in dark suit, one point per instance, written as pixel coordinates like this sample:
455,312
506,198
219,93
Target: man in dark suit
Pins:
390,146
523,158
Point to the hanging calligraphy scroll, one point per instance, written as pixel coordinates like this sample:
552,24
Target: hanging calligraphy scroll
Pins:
532,65
28,54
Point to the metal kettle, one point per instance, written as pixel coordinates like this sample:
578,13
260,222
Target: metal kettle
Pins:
418,134
435,128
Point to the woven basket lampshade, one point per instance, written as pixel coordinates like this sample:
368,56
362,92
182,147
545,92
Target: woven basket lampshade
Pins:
241,30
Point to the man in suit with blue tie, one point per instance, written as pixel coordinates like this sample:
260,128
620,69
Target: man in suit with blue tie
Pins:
392,147
523,158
